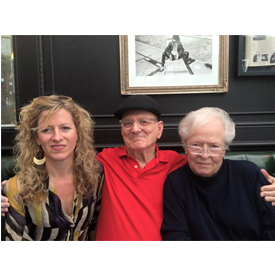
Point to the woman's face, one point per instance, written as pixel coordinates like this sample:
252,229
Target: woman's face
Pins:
57,136
207,136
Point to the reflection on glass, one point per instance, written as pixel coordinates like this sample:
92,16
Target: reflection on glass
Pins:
8,106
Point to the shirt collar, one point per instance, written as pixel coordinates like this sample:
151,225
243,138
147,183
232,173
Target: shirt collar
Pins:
159,156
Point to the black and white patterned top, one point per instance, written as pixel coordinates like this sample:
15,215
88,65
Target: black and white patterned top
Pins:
46,220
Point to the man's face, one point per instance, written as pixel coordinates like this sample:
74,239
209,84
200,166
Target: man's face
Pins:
140,130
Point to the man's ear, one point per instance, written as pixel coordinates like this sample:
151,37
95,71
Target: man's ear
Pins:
160,129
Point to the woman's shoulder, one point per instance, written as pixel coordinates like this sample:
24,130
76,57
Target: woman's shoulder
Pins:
11,190
243,167
240,164
179,172
11,187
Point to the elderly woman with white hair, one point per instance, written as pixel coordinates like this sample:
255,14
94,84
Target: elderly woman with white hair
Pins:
212,198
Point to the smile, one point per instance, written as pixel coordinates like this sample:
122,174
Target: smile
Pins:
139,137
203,164
58,147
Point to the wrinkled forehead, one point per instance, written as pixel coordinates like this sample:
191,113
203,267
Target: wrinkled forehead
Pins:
138,113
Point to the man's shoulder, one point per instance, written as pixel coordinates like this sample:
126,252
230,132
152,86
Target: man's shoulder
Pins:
111,153
112,150
172,156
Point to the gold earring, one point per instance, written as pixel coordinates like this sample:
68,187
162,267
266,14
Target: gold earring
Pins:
39,161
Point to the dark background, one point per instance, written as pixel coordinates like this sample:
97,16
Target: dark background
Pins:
87,68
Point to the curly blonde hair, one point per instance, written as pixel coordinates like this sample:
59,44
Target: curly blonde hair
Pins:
33,178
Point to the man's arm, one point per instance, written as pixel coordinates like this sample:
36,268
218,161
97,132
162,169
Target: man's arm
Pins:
268,191
92,228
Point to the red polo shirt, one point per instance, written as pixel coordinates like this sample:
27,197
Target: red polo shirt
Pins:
131,206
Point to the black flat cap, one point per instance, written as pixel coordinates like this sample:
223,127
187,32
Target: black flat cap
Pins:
138,102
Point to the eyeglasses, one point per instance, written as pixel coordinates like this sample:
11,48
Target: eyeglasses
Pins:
142,122
59,97
213,151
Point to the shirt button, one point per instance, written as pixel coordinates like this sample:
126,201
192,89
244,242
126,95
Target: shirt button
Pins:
136,166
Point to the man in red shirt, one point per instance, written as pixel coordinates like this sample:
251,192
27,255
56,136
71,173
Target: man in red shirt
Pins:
131,206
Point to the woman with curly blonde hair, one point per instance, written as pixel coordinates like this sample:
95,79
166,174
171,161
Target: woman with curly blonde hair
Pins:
56,192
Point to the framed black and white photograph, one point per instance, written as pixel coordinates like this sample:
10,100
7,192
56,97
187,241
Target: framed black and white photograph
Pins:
256,55
173,64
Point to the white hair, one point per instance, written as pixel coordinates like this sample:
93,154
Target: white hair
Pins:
203,116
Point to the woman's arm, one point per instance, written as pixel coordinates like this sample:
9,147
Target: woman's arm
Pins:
15,220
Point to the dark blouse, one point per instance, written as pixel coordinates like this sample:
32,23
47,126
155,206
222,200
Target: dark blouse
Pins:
226,206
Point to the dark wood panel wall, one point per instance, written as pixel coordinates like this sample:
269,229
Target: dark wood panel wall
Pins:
87,69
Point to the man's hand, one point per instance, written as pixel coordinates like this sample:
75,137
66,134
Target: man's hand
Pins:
4,201
268,191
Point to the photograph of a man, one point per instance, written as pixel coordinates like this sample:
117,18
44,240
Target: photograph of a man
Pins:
175,50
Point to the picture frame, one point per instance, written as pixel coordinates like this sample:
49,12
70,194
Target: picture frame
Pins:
201,67
256,55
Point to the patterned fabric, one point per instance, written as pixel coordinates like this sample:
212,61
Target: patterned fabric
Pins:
46,221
